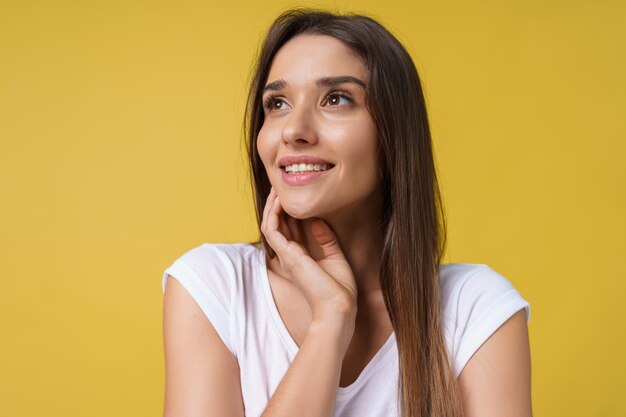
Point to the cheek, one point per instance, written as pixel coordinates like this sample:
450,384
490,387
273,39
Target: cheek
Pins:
367,176
264,147
361,150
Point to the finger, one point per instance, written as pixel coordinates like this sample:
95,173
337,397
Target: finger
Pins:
326,238
292,223
268,205
283,224
273,236
265,210
273,216
272,232
292,254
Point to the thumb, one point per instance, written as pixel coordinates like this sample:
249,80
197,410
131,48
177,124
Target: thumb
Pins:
326,238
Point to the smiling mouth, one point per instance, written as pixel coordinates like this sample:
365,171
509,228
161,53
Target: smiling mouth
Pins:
304,168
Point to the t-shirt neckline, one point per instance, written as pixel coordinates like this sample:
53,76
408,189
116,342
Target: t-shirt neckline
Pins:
292,346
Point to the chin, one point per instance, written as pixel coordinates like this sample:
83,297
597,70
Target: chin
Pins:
304,207
298,211
303,204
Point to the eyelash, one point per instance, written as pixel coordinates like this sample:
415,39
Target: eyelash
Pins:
272,99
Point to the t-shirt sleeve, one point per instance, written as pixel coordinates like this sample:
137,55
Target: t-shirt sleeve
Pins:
207,275
477,301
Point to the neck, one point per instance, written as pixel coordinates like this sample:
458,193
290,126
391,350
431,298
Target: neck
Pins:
361,236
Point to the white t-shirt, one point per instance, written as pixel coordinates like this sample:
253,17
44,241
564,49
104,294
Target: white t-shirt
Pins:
230,284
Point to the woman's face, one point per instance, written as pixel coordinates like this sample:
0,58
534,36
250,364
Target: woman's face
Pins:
315,114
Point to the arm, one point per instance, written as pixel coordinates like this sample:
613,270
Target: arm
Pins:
309,388
496,380
201,375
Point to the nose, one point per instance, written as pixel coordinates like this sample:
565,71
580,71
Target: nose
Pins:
299,127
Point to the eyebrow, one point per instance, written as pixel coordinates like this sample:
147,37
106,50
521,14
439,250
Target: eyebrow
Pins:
322,82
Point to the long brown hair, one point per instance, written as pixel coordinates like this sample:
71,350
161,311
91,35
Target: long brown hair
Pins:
414,220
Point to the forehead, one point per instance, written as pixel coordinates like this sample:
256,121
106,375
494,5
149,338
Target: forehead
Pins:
309,57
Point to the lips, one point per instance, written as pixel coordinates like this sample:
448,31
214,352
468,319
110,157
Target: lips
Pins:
303,159
303,178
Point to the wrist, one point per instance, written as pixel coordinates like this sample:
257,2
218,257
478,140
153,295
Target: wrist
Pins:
339,328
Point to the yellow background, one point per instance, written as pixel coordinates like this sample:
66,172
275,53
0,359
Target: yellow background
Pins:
120,133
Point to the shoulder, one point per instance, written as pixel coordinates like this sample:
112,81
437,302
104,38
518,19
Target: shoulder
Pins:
211,253
213,275
476,300
457,278
213,262
464,285
497,379
200,346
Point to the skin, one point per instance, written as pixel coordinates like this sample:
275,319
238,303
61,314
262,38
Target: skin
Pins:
349,199
496,380
305,118
327,243
301,119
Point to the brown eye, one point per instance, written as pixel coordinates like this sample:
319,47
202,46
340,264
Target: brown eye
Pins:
335,97
273,103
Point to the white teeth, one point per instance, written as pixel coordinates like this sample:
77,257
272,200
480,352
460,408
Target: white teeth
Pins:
298,168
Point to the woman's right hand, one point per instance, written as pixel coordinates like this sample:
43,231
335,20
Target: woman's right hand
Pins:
328,283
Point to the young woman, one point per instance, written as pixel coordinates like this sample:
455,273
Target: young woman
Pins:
342,308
